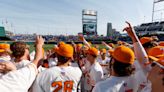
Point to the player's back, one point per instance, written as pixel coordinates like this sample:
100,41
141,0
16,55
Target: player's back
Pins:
58,79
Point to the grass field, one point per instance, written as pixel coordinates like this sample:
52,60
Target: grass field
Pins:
46,47
50,46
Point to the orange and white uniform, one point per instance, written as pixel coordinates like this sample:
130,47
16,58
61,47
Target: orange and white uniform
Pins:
57,79
93,76
21,64
117,84
105,65
19,80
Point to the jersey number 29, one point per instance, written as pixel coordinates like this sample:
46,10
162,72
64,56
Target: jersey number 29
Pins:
68,85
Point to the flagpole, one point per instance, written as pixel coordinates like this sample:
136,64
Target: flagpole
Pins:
153,11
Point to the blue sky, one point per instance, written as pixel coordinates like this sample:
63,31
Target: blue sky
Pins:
64,16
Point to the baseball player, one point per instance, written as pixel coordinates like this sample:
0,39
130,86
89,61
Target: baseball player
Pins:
95,72
121,70
104,62
60,78
20,80
20,53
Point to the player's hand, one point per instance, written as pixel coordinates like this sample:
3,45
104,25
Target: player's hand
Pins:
39,40
39,49
6,67
129,30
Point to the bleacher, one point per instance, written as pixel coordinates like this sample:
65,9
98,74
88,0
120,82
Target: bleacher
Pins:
153,27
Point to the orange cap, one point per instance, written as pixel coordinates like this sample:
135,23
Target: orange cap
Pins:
79,46
103,50
43,51
158,61
61,43
124,54
65,50
111,45
92,51
110,51
161,61
4,47
157,51
55,48
144,40
161,43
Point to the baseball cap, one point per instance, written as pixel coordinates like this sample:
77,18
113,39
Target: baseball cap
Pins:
55,48
111,45
103,51
144,40
65,50
157,55
123,54
157,51
92,51
161,43
158,61
4,47
61,43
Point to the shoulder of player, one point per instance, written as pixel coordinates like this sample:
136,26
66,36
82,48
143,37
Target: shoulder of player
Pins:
103,85
96,67
49,72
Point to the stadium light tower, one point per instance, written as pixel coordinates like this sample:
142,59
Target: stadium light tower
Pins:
153,11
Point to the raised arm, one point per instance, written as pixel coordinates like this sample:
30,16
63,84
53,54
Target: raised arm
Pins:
105,44
140,52
84,41
39,51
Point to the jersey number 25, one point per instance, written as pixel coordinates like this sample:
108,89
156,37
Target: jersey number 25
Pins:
68,85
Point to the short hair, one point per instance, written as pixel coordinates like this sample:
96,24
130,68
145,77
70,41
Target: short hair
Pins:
149,44
62,59
122,69
18,49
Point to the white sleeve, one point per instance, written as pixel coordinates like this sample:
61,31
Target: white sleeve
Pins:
109,47
98,76
37,85
86,43
22,78
96,89
141,56
28,74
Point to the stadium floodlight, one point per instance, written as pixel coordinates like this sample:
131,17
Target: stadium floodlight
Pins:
153,11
